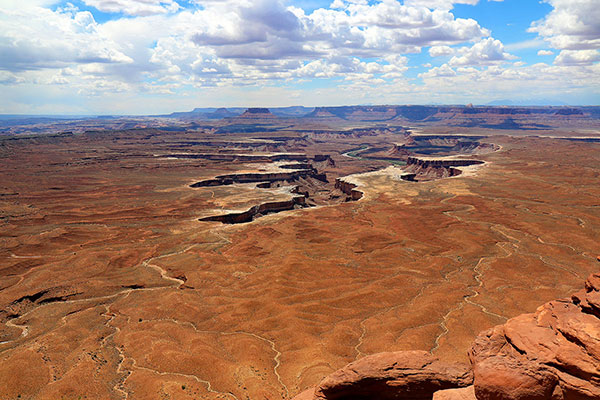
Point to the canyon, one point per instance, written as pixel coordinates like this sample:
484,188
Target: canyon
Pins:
229,257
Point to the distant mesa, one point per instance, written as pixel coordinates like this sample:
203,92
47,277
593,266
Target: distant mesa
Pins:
257,110
320,112
220,113
292,111
568,111
490,117
206,114
323,114
257,114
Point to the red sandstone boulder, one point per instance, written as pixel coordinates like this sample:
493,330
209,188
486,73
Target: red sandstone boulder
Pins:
399,375
466,393
504,378
308,394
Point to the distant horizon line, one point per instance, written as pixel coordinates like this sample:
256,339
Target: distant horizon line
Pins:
82,115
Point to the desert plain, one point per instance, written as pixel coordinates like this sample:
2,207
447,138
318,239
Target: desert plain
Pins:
249,257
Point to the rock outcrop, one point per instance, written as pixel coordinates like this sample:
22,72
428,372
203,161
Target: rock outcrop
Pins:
466,393
259,177
396,375
552,354
441,163
241,157
420,169
349,189
259,210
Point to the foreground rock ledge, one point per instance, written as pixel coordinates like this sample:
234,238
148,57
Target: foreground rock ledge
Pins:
551,354
415,374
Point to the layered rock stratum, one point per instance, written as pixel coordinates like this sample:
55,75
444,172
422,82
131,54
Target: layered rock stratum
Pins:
552,354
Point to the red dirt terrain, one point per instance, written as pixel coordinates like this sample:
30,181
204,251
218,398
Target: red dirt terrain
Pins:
300,252
553,354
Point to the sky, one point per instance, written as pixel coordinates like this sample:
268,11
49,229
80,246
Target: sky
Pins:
158,56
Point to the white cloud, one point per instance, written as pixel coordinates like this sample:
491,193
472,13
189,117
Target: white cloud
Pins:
134,7
18,4
439,4
571,25
58,80
238,51
337,4
437,51
10,78
225,41
264,39
436,72
485,52
545,53
33,38
577,57
488,83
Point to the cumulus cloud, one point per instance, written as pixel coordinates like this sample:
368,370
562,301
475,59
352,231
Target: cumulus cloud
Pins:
236,46
509,81
226,41
267,29
436,72
577,57
243,41
18,4
545,53
33,38
238,23
485,52
439,4
571,25
437,51
134,7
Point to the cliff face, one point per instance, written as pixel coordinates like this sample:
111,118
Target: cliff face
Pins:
441,163
241,157
349,189
257,177
552,354
262,209
421,169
